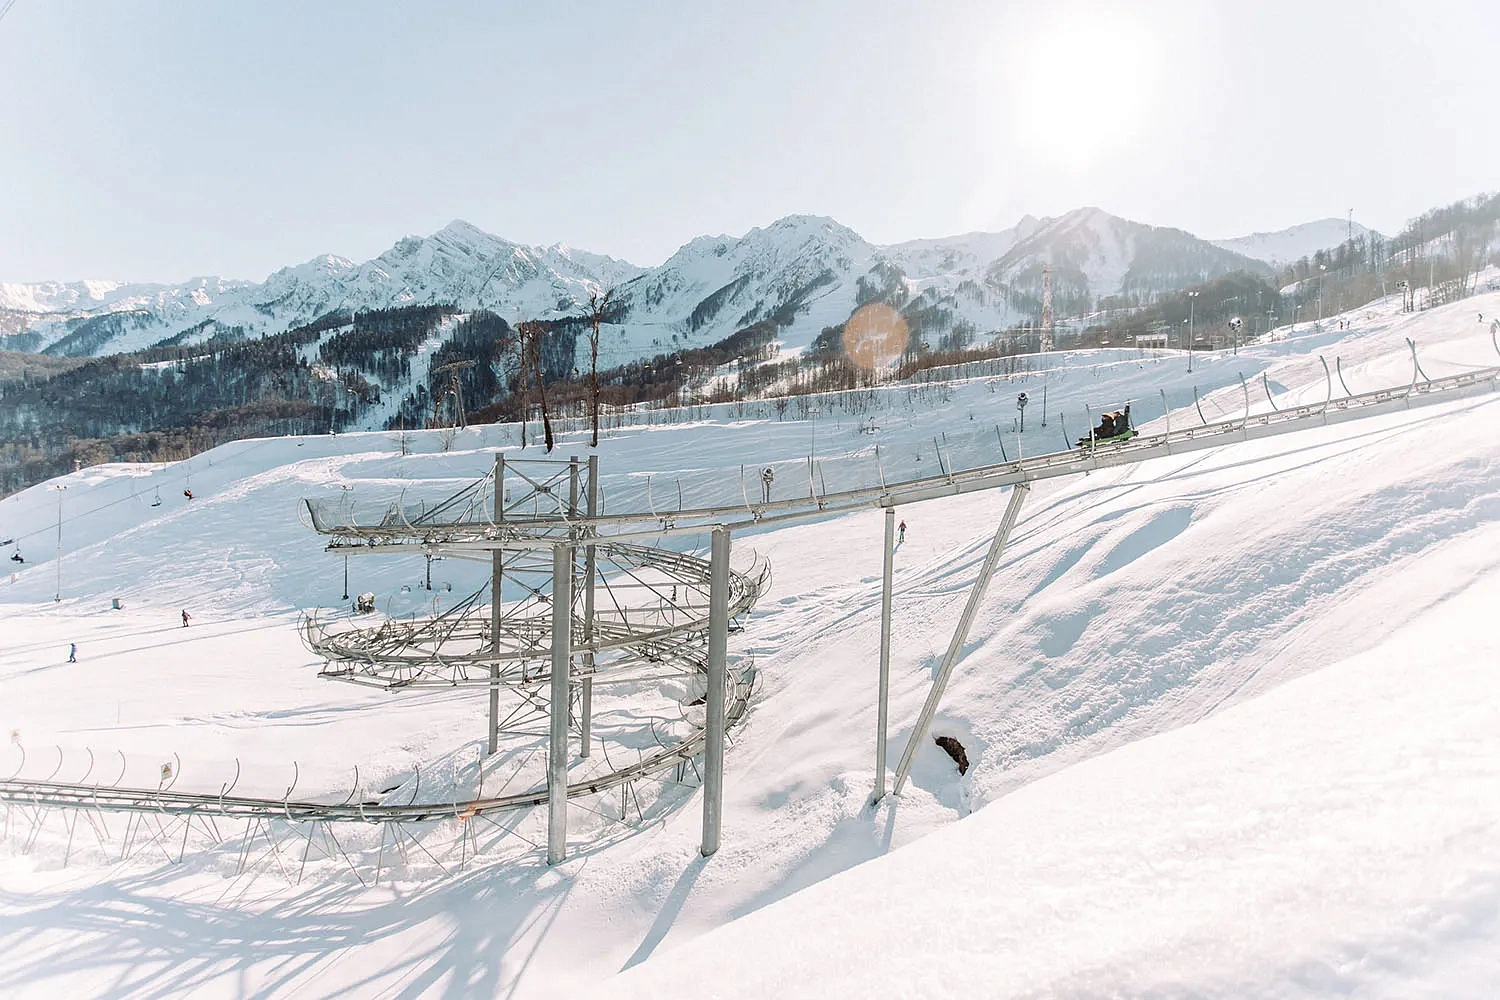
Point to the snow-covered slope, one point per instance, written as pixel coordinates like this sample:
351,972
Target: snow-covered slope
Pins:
1160,805
1286,246
1334,837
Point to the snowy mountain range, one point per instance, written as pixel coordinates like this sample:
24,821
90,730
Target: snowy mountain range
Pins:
1286,246
801,273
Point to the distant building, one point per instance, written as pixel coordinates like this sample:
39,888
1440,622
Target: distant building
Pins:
1158,339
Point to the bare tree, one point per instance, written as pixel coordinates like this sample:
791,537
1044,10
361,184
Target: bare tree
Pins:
531,333
598,308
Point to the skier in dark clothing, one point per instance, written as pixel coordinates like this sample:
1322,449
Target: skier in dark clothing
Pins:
72,652
184,618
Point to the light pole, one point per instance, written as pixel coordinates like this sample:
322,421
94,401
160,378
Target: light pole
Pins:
58,596
1021,402
346,488
1322,273
1192,301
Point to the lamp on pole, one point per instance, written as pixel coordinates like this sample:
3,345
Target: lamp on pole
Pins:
58,596
1192,301
346,488
1021,402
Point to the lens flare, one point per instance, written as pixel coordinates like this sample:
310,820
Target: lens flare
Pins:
875,336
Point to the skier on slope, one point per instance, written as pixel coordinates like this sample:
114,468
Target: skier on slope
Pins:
902,529
72,652
184,618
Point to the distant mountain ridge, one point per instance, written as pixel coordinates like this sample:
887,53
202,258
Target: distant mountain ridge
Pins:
800,274
1286,246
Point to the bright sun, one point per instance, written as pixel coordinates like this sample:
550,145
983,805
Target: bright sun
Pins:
1083,81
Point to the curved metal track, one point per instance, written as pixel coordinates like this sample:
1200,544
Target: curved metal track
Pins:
476,530
472,526
637,627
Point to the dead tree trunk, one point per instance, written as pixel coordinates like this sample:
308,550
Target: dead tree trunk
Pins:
598,306
533,337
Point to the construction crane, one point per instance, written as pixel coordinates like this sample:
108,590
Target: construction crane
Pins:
455,389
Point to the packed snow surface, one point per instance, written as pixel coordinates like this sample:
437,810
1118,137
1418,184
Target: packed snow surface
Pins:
1230,715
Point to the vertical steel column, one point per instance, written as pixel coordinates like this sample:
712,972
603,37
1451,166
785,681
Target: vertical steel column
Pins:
577,574
882,712
713,724
557,749
961,633
586,696
497,576
497,563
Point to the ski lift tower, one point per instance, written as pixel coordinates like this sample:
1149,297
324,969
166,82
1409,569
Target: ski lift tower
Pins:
1046,344
455,388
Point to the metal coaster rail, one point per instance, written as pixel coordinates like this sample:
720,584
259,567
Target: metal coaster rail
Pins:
477,530
645,525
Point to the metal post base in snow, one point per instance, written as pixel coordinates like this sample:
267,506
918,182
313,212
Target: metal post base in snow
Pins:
557,748
883,705
713,725
961,633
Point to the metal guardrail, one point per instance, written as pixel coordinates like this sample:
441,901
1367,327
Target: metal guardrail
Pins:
644,525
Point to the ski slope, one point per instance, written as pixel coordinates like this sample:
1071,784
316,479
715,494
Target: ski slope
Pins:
1227,716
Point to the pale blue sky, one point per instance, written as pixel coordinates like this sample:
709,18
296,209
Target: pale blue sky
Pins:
156,140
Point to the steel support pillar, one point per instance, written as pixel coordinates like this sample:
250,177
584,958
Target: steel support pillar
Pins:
713,724
497,576
586,694
577,577
557,749
961,633
497,565
882,710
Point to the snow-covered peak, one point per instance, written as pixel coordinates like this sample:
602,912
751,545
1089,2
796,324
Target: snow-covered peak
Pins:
1285,246
72,296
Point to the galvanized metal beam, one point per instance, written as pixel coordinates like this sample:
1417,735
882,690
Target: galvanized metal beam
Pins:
713,726
882,707
586,695
557,747
960,634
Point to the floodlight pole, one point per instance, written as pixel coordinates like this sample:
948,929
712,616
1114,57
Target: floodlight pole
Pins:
713,724
57,598
882,710
1192,301
557,748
